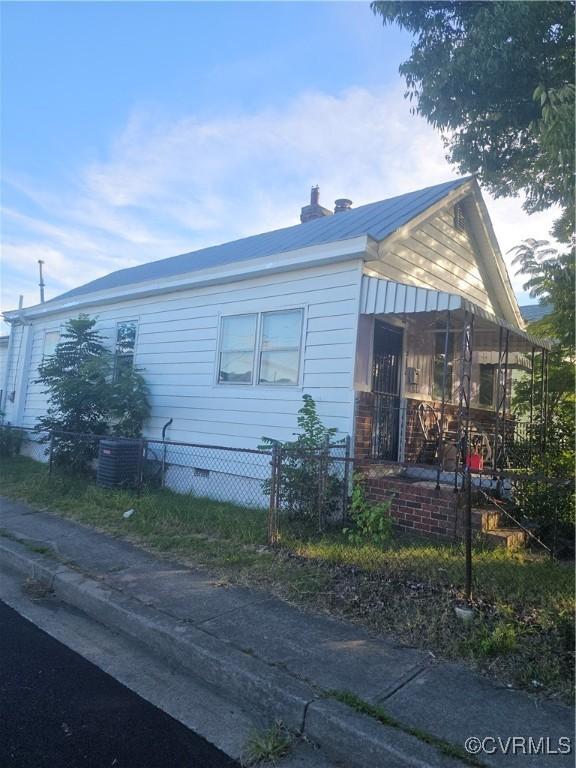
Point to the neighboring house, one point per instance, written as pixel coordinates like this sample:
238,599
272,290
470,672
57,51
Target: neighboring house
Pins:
350,307
531,313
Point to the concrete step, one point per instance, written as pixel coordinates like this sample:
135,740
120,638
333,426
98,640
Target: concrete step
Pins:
510,538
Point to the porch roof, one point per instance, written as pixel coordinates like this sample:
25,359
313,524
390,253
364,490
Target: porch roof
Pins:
385,297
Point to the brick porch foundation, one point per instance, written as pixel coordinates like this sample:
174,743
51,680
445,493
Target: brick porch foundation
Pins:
417,507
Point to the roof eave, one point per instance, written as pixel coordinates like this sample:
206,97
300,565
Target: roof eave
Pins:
316,255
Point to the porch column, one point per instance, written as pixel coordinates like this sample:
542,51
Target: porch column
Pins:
440,465
496,450
464,395
531,423
546,414
501,397
504,400
541,439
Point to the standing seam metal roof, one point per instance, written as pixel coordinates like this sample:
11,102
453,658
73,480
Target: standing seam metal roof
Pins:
376,220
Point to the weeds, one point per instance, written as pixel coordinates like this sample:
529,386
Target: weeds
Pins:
267,746
378,713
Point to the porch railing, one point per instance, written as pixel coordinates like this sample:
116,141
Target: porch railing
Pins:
420,434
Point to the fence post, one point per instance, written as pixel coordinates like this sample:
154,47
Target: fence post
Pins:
346,489
141,455
273,508
50,453
468,534
323,467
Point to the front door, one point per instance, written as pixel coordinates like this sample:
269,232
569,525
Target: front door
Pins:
386,366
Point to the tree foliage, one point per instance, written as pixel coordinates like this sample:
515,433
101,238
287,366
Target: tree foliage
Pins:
84,397
551,279
497,78
307,487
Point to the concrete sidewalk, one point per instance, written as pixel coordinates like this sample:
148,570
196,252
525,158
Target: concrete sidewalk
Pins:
266,654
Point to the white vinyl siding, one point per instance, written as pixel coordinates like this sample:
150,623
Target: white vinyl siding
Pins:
178,348
438,256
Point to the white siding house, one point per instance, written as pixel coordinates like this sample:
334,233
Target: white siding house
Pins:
229,338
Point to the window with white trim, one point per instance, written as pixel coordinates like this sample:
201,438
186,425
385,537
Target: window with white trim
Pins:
237,344
279,354
51,341
261,348
125,345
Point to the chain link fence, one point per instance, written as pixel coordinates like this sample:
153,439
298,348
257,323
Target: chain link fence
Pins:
25,441
295,487
308,489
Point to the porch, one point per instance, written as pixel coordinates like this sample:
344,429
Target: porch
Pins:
434,385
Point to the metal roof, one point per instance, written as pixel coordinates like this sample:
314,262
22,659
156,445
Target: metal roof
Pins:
531,313
381,297
377,220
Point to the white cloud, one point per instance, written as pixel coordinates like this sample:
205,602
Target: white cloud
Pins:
166,187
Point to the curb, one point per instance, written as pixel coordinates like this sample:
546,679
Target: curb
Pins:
353,739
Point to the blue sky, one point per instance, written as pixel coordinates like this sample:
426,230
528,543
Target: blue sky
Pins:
133,131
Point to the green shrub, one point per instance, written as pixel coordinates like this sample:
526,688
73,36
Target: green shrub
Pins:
371,522
308,484
88,396
501,639
547,497
11,439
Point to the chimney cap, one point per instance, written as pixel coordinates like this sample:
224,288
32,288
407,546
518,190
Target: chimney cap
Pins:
342,204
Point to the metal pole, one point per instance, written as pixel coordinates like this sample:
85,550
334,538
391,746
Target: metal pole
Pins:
464,394
531,433
504,393
141,458
546,416
542,413
273,510
346,482
496,453
50,457
41,283
443,404
468,535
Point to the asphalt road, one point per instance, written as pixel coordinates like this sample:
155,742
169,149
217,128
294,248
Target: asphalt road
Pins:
58,710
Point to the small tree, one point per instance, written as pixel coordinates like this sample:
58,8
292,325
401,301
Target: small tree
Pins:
129,407
306,485
83,396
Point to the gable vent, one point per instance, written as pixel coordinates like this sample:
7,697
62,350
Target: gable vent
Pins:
459,218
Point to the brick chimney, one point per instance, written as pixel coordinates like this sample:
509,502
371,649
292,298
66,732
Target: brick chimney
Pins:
314,210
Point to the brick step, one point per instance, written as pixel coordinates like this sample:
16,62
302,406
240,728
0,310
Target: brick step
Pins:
486,519
510,538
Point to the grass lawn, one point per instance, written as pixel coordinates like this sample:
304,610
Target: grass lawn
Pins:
523,633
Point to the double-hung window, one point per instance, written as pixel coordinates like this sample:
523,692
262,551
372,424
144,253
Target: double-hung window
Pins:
237,343
125,344
261,348
279,356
